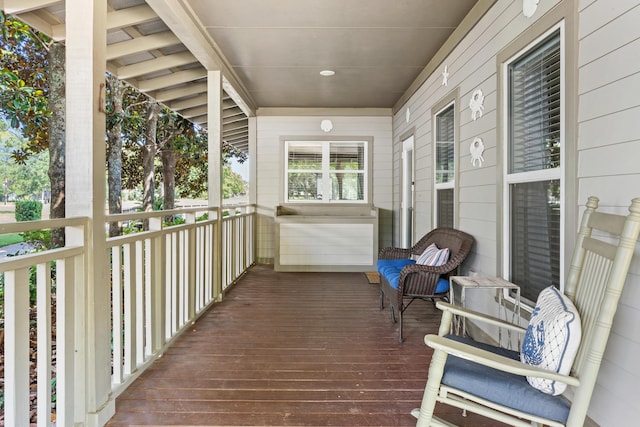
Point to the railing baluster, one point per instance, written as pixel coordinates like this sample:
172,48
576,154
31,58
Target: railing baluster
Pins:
116,313
16,347
65,340
140,302
129,310
43,283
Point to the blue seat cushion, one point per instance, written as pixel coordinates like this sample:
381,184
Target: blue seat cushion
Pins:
501,387
391,268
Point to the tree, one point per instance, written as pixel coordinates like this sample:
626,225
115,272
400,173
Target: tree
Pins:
25,181
32,86
232,183
115,116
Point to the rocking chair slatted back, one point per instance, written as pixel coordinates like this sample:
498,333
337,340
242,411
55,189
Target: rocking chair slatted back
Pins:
602,258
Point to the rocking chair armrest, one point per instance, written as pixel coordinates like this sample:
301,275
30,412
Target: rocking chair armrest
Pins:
495,361
481,317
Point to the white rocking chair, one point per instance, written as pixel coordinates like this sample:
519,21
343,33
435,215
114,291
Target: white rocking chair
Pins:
594,284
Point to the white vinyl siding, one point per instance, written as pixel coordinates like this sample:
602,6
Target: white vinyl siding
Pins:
608,152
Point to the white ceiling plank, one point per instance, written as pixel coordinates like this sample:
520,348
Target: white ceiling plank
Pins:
181,92
15,7
141,44
154,65
195,101
171,80
130,16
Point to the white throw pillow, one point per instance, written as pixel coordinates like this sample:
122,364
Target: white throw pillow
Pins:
433,256
552,338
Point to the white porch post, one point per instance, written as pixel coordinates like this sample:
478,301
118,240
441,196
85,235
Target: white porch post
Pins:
214,119
85,196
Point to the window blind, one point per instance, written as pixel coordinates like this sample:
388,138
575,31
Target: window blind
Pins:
445,145
445,207
534,104
534,145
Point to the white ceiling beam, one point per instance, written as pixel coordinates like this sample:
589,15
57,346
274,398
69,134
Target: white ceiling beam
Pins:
236,139
233,112
235,127
34,20
194,112
130,16
177,15
201,120
141,44
195,101
116,19
180,92
171,80
154,65
16,7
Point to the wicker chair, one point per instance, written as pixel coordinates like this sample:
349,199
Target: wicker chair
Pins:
421,281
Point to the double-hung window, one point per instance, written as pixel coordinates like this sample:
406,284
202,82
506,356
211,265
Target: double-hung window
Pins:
534,163
326,171
444,166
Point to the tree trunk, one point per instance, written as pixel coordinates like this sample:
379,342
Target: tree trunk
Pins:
57,138
114,153
169,160
148,154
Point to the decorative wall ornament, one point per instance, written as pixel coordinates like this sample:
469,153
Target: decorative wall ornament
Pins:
477,99
407,115
476,149
445,76
529,7
326,125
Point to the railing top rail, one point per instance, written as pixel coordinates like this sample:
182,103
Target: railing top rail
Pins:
27,260
154,214
19,227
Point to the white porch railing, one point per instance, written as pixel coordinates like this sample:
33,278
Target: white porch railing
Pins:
161,281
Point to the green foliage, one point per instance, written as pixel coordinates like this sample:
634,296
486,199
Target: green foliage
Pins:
28,210
23,84
25,180
232,183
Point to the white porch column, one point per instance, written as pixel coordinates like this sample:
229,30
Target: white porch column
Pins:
214,118
85,196
253,155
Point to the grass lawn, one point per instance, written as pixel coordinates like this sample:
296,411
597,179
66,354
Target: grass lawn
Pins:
9,239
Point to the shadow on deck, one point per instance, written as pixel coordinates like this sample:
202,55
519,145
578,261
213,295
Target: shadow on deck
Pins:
306,349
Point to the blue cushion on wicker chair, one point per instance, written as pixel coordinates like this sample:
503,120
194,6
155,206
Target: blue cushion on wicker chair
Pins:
391,268
506,389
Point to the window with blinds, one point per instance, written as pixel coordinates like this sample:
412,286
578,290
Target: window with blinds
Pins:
332,171
534,167
444,165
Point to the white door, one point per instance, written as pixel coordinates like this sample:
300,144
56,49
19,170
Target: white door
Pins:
407,193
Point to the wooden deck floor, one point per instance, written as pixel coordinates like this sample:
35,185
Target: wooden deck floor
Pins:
291,349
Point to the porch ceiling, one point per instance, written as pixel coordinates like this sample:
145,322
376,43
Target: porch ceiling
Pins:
270,52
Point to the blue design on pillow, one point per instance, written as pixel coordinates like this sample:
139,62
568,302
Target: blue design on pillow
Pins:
533,344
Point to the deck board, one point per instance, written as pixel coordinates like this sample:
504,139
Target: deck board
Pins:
291,349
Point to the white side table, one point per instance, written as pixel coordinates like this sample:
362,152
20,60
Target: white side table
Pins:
495,283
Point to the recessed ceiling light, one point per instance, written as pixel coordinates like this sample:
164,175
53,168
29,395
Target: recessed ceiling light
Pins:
327,73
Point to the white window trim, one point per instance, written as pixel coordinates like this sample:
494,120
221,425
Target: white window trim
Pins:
540,175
